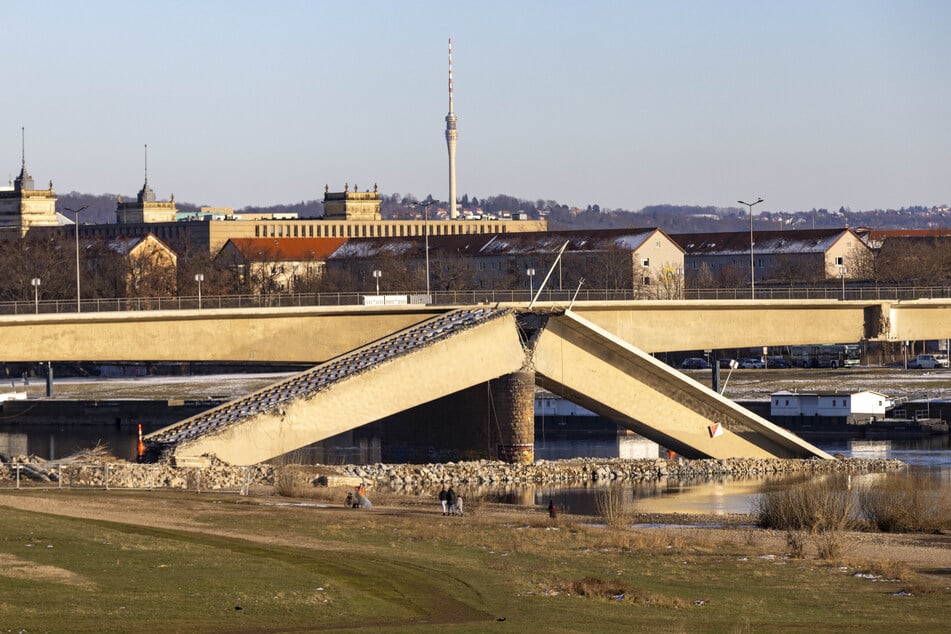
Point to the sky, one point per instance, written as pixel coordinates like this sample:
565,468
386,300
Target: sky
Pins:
621,104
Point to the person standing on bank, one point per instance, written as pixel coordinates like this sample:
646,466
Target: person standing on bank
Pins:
442,499
451,501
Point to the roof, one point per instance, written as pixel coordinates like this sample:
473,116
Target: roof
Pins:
124,245
292,249
828,393
764,242
875,238
501,244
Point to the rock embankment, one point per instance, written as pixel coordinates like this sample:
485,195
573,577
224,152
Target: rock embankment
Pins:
584,471
411,479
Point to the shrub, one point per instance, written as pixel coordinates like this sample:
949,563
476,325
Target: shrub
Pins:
906,503
291,482
814,505
609,504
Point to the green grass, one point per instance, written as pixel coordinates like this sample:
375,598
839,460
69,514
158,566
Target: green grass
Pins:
300,568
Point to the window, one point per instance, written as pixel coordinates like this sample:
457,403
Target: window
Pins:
839,261
646,262
647,281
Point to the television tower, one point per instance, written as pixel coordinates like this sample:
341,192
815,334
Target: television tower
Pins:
451,136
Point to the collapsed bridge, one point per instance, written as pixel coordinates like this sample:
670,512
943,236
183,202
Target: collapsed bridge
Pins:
512,350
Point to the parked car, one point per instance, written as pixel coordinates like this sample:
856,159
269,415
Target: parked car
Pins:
942,360
778,363
726,364
751,364
694,363
925,362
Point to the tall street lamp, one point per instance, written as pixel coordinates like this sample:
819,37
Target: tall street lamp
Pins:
752,270
76,230
199,277
531,282
376,276
842,271
426,204
36,293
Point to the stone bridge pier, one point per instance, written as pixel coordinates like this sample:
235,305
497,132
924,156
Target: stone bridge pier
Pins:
512,411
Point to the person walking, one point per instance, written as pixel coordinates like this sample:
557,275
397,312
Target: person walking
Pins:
552,510
459,504
442,500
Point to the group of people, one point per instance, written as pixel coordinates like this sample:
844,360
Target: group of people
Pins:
358,499
450,501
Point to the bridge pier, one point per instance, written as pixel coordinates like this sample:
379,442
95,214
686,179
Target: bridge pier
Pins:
513,401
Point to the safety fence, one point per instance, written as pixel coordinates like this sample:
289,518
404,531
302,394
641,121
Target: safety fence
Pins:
849,292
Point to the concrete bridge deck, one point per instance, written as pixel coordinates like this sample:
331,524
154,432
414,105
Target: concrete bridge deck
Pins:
451,352
315,334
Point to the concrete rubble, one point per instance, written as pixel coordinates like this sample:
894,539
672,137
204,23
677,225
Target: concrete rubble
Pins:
412,479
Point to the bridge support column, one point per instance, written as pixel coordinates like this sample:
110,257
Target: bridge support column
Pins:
513,397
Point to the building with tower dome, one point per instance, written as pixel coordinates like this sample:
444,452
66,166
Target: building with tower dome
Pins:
146,208
23,206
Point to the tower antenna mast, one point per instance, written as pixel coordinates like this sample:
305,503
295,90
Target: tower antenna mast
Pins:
451,136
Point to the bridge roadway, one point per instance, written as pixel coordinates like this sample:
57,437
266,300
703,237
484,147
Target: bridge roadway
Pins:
315,334
596,355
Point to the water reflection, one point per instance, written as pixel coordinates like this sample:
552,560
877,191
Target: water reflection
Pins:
718,495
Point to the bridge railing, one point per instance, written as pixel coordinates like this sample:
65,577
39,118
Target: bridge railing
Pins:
564,296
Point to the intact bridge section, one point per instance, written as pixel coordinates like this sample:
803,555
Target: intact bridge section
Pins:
510,350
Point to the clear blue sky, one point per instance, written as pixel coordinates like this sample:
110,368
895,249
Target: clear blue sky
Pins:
622,104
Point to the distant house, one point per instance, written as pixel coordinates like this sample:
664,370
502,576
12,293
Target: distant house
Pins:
829,407
910,256
805,255
133,266
646,261
269,265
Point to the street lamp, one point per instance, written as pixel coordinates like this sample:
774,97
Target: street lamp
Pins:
752,270
36,293
842,272
76,230
426,204
199,277
531,282
376,276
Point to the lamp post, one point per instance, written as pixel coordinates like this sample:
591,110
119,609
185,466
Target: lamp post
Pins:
531,282
36,293
842,272
426,204
76,230
377,274
752,270
199,277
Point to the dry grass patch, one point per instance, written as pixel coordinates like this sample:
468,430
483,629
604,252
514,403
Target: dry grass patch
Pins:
617,590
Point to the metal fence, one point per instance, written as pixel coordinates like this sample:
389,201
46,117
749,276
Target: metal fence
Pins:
449,298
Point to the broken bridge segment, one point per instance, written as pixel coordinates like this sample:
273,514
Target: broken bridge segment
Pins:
435,358
579,361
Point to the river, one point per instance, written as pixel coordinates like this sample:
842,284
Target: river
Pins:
720,495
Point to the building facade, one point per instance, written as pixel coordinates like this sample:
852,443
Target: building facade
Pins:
788,257
23,206
146,209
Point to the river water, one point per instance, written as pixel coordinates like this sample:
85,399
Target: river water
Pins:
930,456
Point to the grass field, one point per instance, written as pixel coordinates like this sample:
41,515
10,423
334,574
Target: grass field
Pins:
184,562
